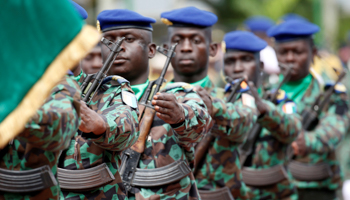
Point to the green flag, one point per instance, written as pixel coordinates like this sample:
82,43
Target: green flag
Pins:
40,41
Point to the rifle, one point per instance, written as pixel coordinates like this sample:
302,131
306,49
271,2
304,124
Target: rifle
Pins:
88,87
246,149
204,145
310,115
131,156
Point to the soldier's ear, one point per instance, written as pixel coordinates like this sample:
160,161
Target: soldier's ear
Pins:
152,49
213,49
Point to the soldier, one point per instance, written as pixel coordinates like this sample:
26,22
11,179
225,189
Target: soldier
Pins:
315,169
219,167
92,63
181,116
108,126
280,127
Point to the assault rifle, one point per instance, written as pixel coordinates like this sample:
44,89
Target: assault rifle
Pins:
130,174
246,149
93,81
310,115
203,146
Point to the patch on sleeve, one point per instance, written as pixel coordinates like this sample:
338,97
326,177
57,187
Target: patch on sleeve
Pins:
281,96
182,85
289,107
129,99
248,100
338,88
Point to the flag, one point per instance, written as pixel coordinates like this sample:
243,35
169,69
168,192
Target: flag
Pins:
40,41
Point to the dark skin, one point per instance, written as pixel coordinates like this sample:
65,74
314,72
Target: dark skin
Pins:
242,64
92,63
298,53
132,64
192,52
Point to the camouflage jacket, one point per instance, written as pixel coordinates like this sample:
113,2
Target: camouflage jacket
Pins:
280,129
87,150
45,135
167,143
322,142
221,166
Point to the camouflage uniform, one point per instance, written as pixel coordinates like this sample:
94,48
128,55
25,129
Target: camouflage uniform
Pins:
221,164
279,131
88,150
45,135
167,143
322,142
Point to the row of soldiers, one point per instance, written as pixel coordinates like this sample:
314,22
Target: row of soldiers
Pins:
196,125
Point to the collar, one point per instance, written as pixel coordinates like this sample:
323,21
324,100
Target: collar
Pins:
140,89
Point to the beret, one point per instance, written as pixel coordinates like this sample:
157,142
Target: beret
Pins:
292,16
292,30
80,10
190,17
258,23
243,41
123,18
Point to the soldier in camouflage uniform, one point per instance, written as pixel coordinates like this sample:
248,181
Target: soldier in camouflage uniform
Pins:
45,135
109,125
280,128
294,45
220,166
181,116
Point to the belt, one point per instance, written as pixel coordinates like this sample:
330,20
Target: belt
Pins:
160,176
85,179
310,172
220,194
26,181
263,177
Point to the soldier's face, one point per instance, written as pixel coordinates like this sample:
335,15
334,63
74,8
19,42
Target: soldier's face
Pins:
297,53
239,64
193,50
136,49
92,63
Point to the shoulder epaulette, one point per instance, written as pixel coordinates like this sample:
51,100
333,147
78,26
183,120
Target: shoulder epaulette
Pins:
115,80
184,86
338,88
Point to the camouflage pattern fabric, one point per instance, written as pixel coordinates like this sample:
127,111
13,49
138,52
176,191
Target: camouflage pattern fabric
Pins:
167,143
279,131
221,166
322,142
88,150
47,133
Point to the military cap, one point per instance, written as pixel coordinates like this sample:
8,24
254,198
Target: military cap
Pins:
243,41
292,16
122,18
80,10
189,17
292,30
258,23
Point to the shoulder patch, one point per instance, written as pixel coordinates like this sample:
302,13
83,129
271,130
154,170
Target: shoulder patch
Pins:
281,96
182,85
129,99
289,107
244,87
248,100
338,88
115,80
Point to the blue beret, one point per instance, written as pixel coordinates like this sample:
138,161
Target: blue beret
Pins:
258,23
292,16
292,30
122,18
189,16
80,10
243,41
